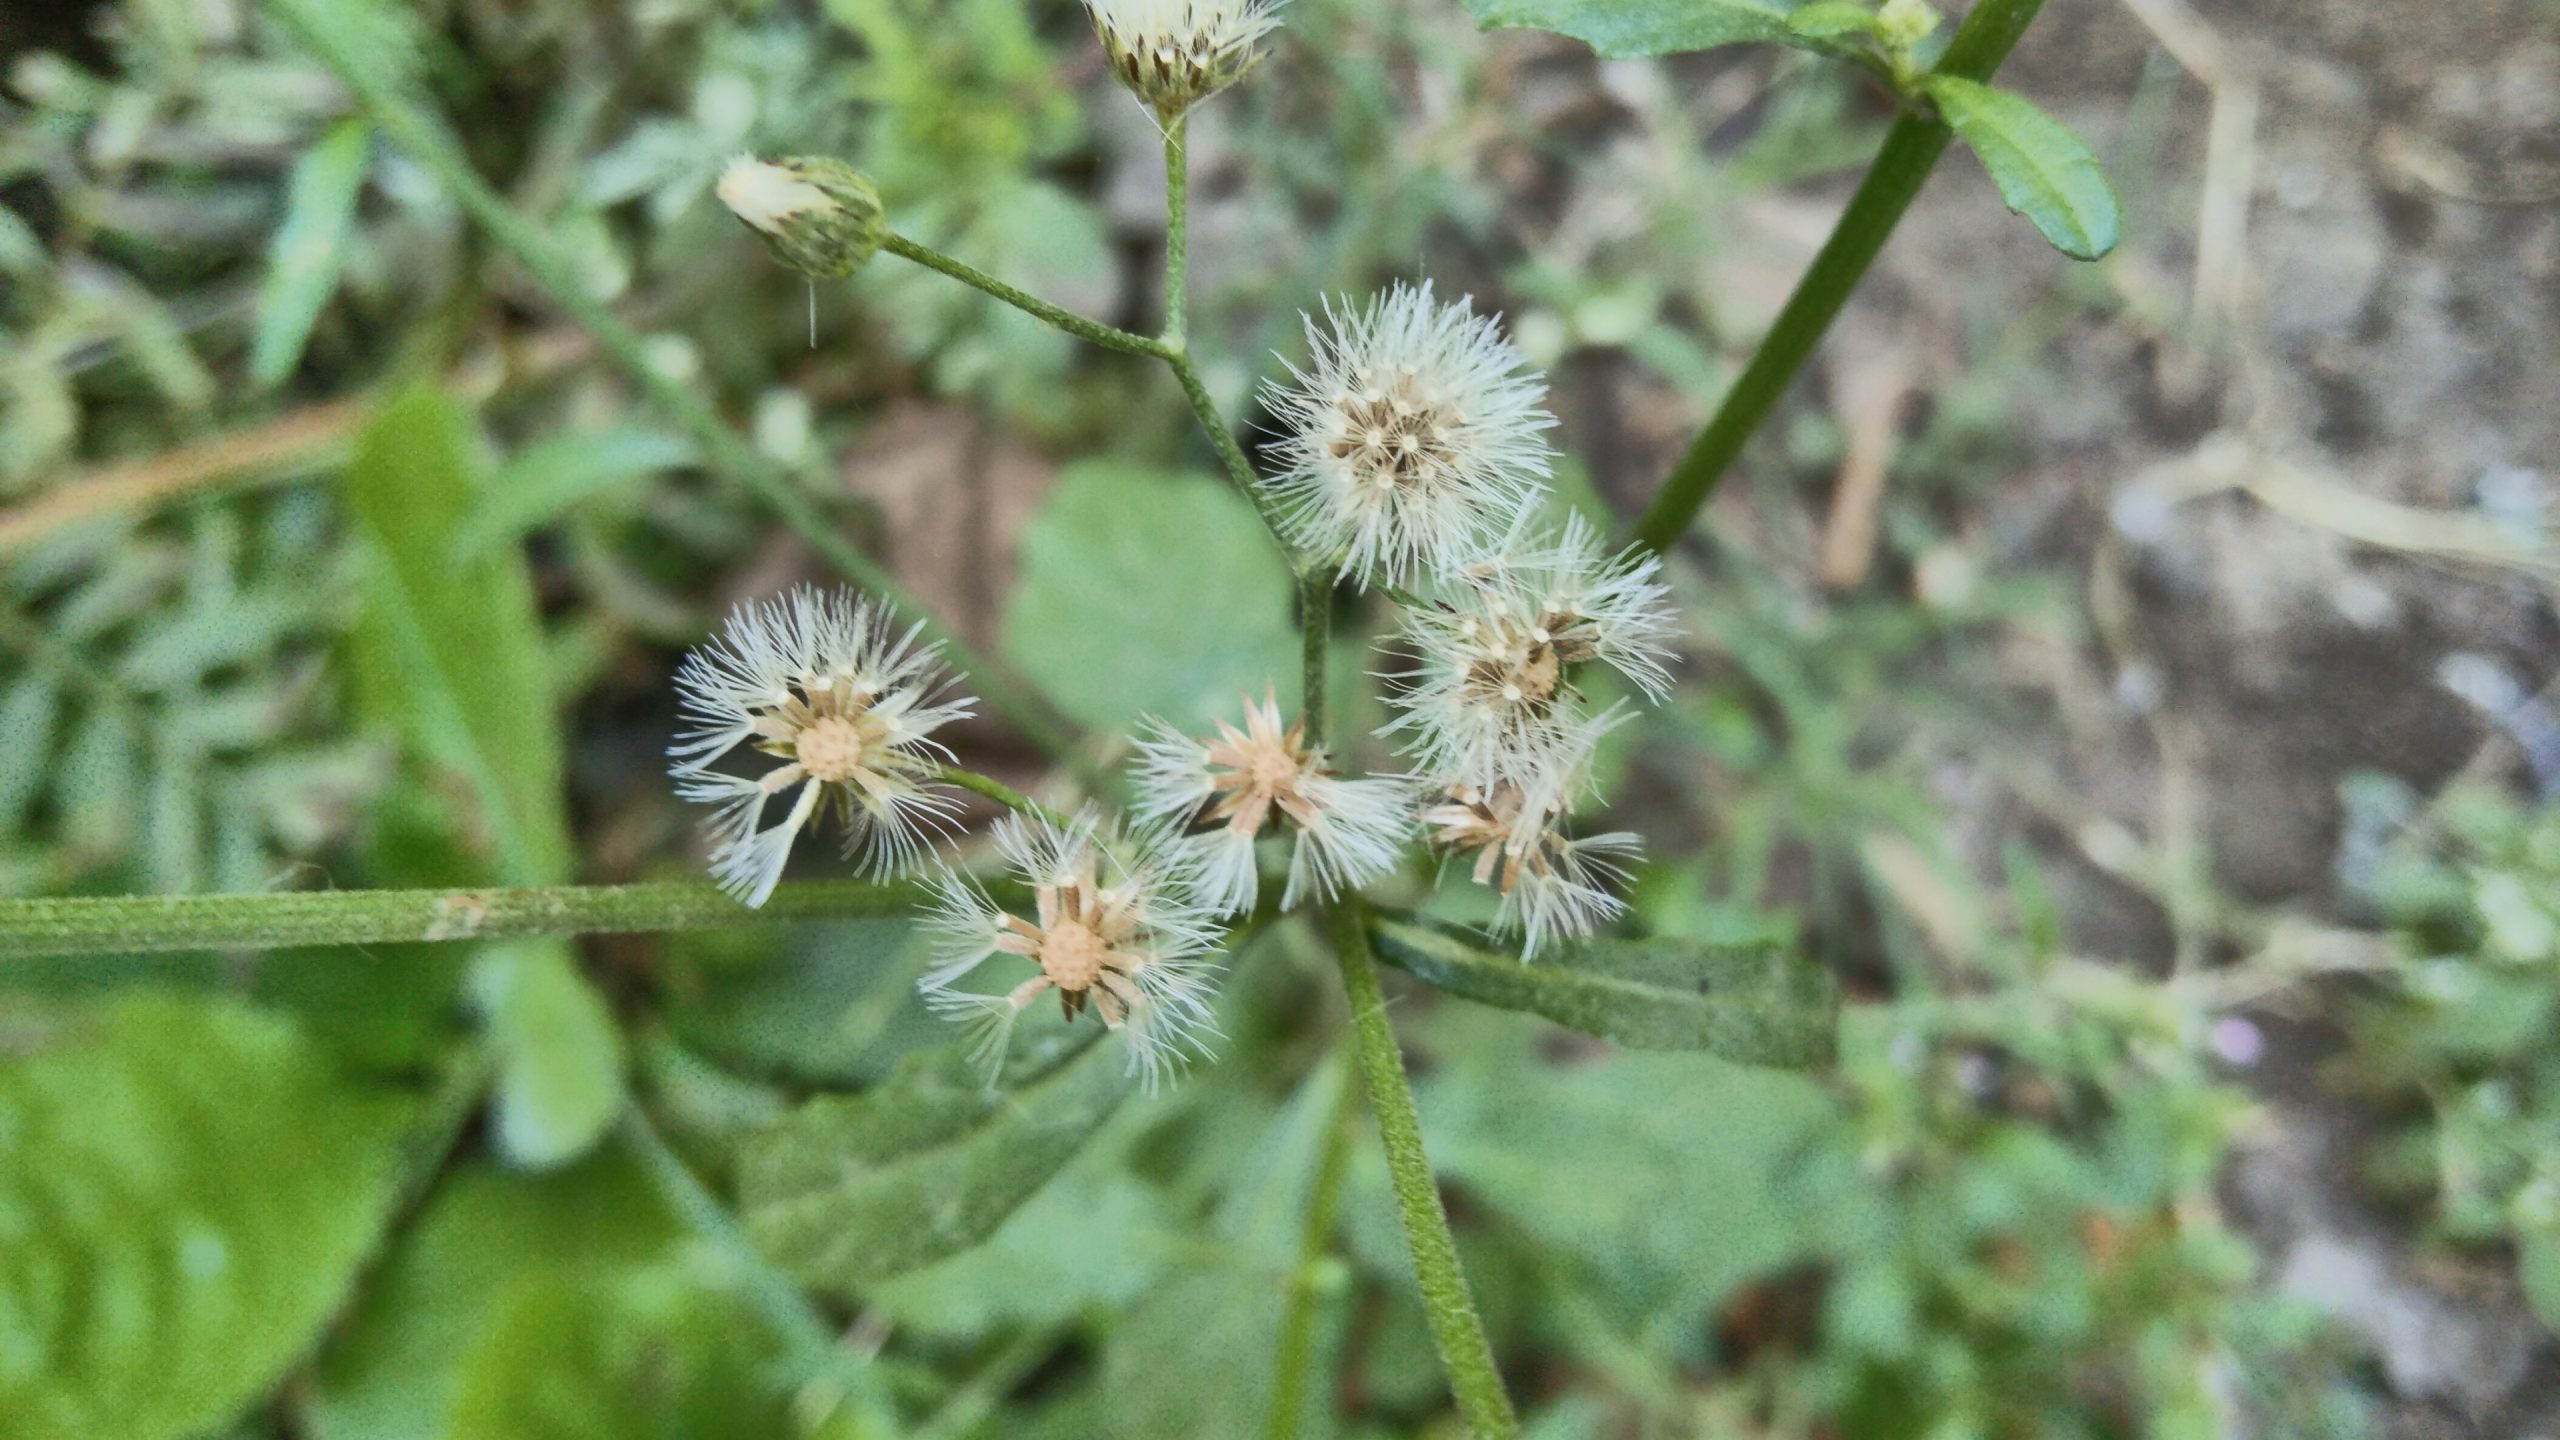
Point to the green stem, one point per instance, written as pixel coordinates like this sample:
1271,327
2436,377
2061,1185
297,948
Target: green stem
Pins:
137,924
1306,1288
1231,455
1456,1329
1177,229
996,790
1911,150
1315,636
1110,337
817,1356
426,140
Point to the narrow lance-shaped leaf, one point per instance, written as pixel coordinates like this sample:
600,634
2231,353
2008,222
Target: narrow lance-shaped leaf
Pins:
847,1191
470,687
1754,1004
1624,28
2042,169
309,249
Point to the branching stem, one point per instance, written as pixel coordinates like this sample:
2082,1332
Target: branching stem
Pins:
1911,149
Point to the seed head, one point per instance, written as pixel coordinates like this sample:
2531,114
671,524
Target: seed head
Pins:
819,216
1220,794
848,705
1492,696
1549,885
1117,931
1413,439
1173,54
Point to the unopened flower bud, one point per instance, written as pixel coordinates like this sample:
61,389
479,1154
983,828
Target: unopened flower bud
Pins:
1903,24
1175,53
819,216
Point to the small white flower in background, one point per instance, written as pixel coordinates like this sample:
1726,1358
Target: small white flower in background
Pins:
829,687
1491,697
1412,440
1225,790
1117,930
1550,886
1175,53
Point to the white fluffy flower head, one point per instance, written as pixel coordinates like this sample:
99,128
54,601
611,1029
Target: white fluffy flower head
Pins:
1116,930
1492,697
1550,885
1413,438
1224,792
1175,53
824,684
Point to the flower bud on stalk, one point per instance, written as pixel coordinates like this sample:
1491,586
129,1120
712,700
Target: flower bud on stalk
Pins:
817,215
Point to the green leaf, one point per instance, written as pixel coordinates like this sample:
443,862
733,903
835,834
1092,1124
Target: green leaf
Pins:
1831,19
309,249
484,1234
2042,169
1622,28
1146,593
465,638
459,649
1754,1004
645,1353
559,1056
537,486
847,1191
186,1192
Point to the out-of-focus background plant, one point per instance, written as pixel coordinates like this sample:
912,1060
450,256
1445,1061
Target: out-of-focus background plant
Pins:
2130,680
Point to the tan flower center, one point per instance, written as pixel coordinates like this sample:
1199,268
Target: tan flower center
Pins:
1393,436
1072,955
830,749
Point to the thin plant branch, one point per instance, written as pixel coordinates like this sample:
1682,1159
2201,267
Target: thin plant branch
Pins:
1911,150
1315,640
1456,1329
1109,337
425,139
1177,229
141,924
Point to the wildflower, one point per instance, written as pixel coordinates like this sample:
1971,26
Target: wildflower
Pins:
1228,789
824,684
1117,931
1175,53
1549,885
819,216
1492,696
1412,439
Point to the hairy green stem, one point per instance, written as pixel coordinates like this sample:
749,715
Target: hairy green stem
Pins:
426,140
1231,455
1177,229
1315,1245
1315,637
1110,337
996,790
1911,149
1456,1330
817,1356
138,924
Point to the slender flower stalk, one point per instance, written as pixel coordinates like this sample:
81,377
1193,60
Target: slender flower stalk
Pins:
1222,794
1117,931
1413,439
826,685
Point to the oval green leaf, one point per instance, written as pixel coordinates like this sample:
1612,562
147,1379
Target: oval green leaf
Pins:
1752,1004
849,1190
2042,169
186,1192
1623,28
